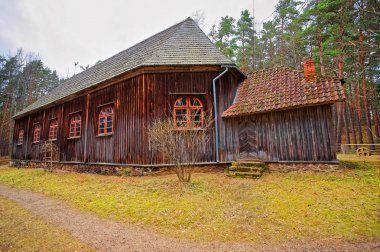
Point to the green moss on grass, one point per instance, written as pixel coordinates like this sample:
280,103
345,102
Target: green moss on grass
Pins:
277,207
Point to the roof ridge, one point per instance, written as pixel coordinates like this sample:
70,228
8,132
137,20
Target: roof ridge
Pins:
99,65
274,68
285,89
179,25
129,48
183,43
177,35
209,40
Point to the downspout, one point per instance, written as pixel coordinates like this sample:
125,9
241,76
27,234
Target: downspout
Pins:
216,115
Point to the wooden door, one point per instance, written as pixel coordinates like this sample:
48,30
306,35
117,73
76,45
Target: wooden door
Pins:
248,139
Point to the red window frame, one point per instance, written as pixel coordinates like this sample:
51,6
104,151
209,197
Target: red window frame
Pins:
20,138
186,112
37,133
106,122
75,126
53,130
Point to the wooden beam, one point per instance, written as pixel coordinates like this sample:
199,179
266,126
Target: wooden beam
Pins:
189,93
125,76
62,133
27,138
280,109
85,132
75,112
105,104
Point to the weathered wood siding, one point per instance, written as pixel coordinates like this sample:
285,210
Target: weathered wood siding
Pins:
136,102
228,130
304,134
71,150
33,148
18,151
173,86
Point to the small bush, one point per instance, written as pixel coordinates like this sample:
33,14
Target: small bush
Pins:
127,171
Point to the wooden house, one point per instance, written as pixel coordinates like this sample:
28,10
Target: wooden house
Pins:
100,116
285,115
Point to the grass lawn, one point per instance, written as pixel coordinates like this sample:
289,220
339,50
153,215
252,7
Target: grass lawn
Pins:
21,231
374,159
295,206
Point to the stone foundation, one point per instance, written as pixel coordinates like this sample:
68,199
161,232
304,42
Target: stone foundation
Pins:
158,171
114,170
290,167
83,168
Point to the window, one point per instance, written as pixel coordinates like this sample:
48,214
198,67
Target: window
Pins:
53,130
37,133
188,113
20,139
105,121
75,126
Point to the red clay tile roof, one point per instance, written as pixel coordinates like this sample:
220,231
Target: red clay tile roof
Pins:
282,88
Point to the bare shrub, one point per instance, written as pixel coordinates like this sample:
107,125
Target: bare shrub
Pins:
49,152
182,148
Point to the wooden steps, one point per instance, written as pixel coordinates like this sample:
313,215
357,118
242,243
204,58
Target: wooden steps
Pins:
5,161
246,169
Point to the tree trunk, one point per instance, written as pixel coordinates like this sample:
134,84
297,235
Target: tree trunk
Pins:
271,53
375,112
350,109
340,108
338,138
351,116
364,86
4,130
5,116
320,45
243,68
358,112
10,140
345,121
367,113
322,66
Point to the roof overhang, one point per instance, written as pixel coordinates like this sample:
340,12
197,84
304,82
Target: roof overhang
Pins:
280,109
133,73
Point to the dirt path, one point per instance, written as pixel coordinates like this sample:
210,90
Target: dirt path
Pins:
108,235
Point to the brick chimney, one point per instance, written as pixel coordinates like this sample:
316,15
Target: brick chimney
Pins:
309,70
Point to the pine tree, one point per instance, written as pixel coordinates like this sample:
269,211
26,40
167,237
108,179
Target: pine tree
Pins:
223,36
244,37
23,79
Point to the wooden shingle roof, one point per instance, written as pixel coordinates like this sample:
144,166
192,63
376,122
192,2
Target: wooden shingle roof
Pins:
282,88
183,44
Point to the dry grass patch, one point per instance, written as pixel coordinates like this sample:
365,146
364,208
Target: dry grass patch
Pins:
22,231
374,159
277,207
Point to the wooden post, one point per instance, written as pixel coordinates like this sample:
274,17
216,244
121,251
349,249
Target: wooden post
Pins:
51,155
86,129
62,133
43,124
26,138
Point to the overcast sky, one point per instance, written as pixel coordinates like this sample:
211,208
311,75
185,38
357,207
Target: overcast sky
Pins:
85,31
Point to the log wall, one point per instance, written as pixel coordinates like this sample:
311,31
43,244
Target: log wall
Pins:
136,102
71,150
304,134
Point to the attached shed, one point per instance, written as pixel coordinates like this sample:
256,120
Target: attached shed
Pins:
285,115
